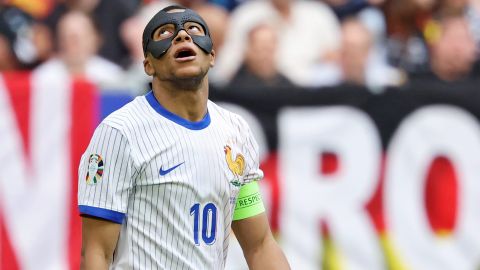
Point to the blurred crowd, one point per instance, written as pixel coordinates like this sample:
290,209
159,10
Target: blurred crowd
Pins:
311,44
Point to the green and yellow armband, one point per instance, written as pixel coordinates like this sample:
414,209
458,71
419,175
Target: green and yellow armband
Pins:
249,202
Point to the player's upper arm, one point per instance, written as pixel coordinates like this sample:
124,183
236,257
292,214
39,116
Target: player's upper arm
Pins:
251,232
106,174
259,247
99,239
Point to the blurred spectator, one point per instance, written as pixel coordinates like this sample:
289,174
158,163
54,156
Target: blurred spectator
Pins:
8,61
473,17
78,43
452,54
259,68
347,8
24,42
374,19
359,62
357,43
308,33
108,15
409,26
37,8
445,8
136,80
470,9
227,4
217,19
369,12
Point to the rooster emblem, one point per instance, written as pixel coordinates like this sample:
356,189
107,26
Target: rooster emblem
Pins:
237,166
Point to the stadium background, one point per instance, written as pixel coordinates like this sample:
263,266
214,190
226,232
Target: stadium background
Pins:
356,177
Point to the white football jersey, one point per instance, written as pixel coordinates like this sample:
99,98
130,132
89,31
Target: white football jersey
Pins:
171,183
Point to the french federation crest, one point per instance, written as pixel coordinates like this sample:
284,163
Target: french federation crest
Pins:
95,169
236,166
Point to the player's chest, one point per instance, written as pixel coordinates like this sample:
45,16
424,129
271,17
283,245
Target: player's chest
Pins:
203,160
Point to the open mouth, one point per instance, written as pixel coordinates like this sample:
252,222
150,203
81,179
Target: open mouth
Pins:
184,54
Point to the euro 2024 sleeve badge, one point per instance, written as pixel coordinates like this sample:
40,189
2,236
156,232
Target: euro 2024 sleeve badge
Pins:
95,169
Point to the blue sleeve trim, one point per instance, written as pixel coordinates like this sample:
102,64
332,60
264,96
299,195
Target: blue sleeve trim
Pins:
110,215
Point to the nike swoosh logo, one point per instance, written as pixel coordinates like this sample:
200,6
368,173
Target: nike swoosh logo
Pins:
164,172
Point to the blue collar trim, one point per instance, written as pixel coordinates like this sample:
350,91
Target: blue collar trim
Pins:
175,118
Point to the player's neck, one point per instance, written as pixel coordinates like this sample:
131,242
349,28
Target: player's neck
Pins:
189,104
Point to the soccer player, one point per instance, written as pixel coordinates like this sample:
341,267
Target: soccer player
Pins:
164,176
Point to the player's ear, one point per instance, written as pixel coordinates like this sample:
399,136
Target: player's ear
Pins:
148,67
212,58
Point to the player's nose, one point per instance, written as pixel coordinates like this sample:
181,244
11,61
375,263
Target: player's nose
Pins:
182,36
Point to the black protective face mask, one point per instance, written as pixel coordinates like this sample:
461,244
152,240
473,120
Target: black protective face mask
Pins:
178,19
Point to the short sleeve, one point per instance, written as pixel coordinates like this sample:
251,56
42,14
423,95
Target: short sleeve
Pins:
251,150
105,175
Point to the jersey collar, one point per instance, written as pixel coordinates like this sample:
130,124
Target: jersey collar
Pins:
175,118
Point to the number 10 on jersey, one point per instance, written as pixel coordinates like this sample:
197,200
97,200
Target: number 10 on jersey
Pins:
208,223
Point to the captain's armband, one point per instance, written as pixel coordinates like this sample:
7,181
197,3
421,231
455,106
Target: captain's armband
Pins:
249,202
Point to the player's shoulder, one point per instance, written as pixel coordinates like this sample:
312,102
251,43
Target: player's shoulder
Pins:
225,112
128,116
